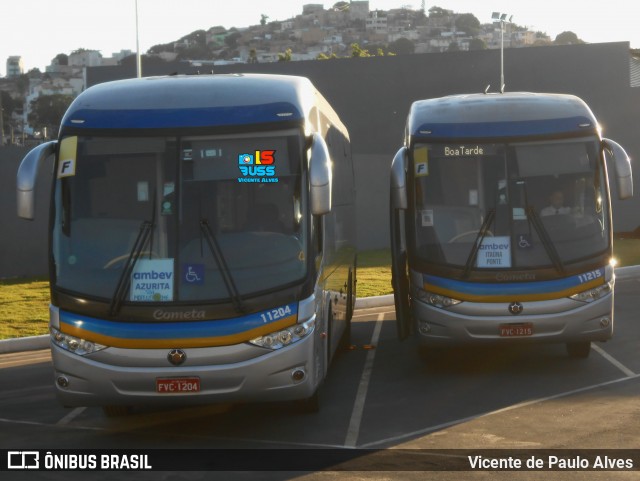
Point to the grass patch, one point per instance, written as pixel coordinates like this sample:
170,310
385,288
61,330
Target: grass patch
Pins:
24,307
374,273
24,304
627,252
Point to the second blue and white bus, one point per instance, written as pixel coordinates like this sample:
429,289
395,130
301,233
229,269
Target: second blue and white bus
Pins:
202,241
501,225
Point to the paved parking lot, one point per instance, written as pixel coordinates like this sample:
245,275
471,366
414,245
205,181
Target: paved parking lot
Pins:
380,395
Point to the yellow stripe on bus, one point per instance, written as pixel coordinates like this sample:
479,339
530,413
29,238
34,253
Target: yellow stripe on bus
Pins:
179,342
544,296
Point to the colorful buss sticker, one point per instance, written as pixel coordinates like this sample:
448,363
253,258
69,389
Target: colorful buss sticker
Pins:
257,167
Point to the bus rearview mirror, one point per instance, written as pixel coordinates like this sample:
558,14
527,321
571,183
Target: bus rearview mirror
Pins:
399,180
320,176
27,176
622,166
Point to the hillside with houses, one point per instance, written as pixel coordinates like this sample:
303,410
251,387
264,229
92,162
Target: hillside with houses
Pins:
33,102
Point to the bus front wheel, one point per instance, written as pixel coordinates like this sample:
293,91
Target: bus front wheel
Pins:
579,350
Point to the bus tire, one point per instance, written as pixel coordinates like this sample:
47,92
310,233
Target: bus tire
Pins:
345,341
116,411
579,350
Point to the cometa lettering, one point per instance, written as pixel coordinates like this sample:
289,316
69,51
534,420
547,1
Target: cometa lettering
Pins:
159,315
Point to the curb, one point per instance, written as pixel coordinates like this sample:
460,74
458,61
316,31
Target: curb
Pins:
376,301
628,272
42,342
33,343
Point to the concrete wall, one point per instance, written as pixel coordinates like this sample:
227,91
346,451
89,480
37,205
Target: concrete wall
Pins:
373,95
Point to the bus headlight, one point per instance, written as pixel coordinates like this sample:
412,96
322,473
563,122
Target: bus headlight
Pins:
285,337
436,300
593,294
74,344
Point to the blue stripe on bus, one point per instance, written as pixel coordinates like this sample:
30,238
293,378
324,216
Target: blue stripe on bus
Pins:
504,129
176,118
497,289
175,329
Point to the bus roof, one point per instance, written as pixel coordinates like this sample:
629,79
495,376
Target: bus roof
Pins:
196,101
517,114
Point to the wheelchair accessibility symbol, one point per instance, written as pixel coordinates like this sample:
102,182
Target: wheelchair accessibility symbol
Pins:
524,242
193,274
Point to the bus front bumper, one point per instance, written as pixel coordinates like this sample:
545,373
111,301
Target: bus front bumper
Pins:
224,375
555,321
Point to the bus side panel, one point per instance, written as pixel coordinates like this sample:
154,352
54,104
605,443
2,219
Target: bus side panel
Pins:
340,239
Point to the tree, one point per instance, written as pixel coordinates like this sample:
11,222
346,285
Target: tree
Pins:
357,51
435,12
231,40
47,111
468,23
263,19
324,56
286,56
22,84
567,38
162,47
402,46
7,107
62,59
477,44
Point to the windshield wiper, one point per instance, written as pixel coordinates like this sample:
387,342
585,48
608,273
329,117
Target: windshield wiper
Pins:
125,277
482,233
534,218
544,237
214,247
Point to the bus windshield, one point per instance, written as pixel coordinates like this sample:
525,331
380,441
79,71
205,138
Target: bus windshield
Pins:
509,205
168,219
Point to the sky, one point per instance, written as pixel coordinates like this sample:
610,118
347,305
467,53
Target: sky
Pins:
38,30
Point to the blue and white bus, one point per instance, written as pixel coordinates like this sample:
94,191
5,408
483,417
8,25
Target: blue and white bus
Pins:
501,225
202,241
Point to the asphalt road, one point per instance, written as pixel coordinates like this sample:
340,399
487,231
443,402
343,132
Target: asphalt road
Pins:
380,396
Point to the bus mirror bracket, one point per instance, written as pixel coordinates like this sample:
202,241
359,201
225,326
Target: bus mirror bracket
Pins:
320,176
27,176
622,165
399,179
